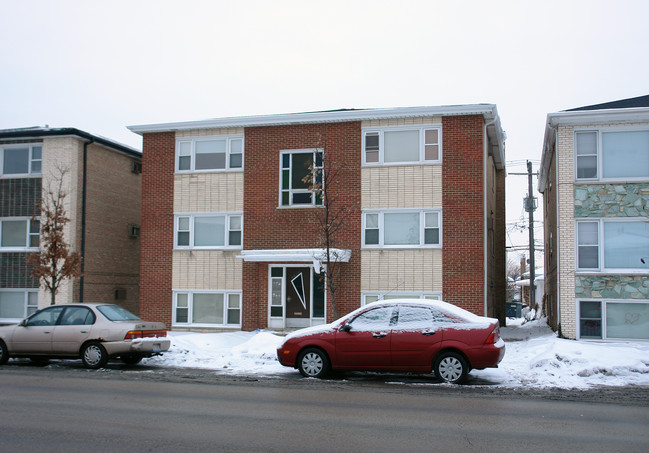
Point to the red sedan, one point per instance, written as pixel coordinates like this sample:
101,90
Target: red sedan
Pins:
398,335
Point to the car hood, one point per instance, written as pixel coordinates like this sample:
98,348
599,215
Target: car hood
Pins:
312,330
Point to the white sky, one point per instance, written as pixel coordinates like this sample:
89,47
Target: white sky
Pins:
100,66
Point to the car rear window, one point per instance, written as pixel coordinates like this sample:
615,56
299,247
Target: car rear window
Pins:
117,313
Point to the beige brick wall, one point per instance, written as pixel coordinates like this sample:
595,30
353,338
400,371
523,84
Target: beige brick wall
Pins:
566,230
64,153
209,132
401,270
208,192
207,269
414,121
393,187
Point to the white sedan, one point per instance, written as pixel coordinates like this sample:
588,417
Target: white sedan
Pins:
94,333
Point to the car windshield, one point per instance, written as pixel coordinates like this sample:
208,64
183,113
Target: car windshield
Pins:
117,313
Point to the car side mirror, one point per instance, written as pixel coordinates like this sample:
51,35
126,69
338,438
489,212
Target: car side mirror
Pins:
346,328
23,323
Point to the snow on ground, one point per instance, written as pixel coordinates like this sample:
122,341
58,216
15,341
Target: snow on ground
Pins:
534,357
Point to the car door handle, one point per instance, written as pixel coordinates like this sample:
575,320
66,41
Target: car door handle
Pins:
46,333
379,334
84,331
428,333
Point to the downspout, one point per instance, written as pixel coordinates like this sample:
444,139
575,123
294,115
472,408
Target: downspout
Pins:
83,217
485,206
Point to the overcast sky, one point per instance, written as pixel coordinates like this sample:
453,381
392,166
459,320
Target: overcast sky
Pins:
101,66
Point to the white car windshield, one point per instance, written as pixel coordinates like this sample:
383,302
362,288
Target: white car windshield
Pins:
117,313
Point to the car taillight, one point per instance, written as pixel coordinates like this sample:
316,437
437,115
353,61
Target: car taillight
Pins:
494,336
134,334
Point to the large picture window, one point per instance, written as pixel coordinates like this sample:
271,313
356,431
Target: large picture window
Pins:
611,244
21,160
19,233
369,297
209,153
208,231
402,228
618,319
612,154
300,171
207,308
402,145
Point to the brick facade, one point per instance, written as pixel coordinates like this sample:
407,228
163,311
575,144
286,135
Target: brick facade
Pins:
463,201
157,226
268,226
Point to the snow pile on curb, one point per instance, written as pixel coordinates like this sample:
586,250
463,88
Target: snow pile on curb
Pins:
534,357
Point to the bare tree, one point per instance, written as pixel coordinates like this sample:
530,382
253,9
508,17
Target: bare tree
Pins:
54,262
323,177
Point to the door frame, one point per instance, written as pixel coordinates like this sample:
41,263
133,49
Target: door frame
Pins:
280,322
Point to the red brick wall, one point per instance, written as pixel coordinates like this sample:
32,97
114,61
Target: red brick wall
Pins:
158,160
463,211
269,227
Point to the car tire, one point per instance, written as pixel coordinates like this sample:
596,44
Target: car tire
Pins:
94,355
313,362
451,367
131,359
4,353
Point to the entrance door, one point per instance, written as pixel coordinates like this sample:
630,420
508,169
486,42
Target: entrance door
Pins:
298,297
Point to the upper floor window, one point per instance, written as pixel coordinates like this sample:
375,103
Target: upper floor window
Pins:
608,244
19,233
301,170
402,145
402,228
209,153
612,154
208,231
21,160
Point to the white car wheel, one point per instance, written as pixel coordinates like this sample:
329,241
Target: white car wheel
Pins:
451,367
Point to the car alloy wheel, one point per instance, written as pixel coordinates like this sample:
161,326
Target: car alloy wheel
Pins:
313,363
94,356
451,367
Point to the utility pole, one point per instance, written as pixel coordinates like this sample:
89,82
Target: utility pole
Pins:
530,207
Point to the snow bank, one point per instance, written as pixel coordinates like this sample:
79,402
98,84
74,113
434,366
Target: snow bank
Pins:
534,357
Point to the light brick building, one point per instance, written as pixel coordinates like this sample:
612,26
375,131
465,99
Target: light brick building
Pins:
229,227
595,183
103,185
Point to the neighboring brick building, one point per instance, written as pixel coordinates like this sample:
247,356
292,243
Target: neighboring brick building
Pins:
230,233
595,183
103,186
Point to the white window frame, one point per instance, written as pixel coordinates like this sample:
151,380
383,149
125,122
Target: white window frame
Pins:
422,138
422,227
190,308
414,295
228,229
31,172
315,201
601,249
28,234
228,153
603,307
599,153
28,308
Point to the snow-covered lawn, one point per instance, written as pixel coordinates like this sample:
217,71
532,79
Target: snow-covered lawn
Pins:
535,357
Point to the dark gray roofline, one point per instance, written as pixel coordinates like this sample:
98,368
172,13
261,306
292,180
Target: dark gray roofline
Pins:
640,101
38,132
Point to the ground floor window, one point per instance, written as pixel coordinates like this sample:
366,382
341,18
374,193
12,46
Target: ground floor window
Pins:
369,297
207,309
608,320
16,304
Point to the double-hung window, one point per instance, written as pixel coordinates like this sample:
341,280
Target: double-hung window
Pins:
402,145
21,160
17,304
612,154
613,319
207,154
403,228
613,245
301,177
208,231
19,233
207,308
